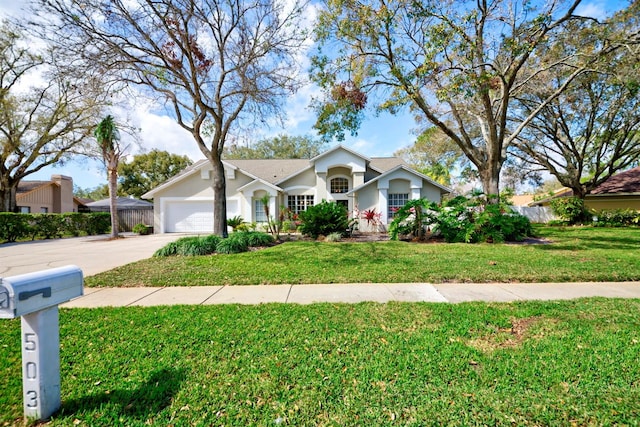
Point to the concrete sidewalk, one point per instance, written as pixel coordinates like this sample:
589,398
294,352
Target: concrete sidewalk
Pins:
351,293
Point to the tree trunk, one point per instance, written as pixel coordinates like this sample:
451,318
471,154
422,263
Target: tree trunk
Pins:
8,196
490,178
219,197
113,206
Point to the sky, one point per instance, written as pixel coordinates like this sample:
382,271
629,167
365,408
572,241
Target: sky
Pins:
379,136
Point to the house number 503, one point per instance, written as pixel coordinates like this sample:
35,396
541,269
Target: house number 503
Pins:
31,369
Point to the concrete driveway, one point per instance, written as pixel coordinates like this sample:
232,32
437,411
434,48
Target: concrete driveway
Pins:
93,254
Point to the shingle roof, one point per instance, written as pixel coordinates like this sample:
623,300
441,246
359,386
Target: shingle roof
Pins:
623,182
27,186
270,170
384,164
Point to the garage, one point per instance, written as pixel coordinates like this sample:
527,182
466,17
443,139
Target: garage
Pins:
189,217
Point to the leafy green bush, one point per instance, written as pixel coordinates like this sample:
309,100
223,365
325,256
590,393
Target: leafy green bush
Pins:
141,229
570,209
235,222
460,220
323,219
412,219
190,246
74,222
233,244
256,238
617,218
47,226
169,249
13,226
98,223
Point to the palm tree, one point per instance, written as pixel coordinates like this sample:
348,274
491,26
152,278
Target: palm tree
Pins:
108,137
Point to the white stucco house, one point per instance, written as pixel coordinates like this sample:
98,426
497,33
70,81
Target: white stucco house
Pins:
185,202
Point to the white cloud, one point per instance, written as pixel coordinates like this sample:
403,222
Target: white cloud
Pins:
594,9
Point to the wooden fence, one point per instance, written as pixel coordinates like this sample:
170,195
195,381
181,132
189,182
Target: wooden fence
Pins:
128,218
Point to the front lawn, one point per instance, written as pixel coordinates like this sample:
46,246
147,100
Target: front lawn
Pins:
527,363
575,254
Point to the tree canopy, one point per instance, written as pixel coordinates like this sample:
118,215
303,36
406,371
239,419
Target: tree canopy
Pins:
47,111
220,65
592,130
278,147
148,170
458,64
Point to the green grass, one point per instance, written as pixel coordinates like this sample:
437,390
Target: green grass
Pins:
576,254
533,363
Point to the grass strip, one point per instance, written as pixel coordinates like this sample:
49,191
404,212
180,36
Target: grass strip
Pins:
526,363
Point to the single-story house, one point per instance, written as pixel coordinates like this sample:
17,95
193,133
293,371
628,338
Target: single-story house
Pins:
54,196
621,191
185,202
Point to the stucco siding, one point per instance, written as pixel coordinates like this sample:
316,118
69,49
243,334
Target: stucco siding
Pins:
599,203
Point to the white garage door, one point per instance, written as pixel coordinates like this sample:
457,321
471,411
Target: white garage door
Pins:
189,217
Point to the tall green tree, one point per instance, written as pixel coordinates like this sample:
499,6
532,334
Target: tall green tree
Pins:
43,121
458,64
221,66
108,138
592,130
434,154
148,170
278,147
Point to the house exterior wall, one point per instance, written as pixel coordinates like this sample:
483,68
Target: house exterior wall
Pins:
599,203
56,197
37,200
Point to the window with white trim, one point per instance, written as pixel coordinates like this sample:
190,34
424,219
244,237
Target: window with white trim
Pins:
339,185
395,201
259,213
298,203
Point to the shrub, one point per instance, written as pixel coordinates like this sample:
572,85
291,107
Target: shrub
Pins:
47,226
323,219
412,219
617,218
169,249
235,222
98,223
74,222
233,244
190,246
256,238
13,226
141,229
461,220
570,209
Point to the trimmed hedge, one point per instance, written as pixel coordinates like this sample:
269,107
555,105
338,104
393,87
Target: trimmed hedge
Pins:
17,226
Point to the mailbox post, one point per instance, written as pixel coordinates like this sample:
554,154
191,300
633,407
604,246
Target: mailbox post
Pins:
35,297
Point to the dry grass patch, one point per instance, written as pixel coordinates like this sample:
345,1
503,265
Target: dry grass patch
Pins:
534,327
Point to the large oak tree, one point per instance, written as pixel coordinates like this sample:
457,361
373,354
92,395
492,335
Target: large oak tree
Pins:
220,65
459,64
592,130
47,111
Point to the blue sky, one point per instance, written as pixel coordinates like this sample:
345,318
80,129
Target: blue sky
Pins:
378,136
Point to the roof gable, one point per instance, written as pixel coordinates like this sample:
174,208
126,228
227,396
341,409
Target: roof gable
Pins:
407,169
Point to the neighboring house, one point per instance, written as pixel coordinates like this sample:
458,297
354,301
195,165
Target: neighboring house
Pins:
185,202
130,211
621,191
54,196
